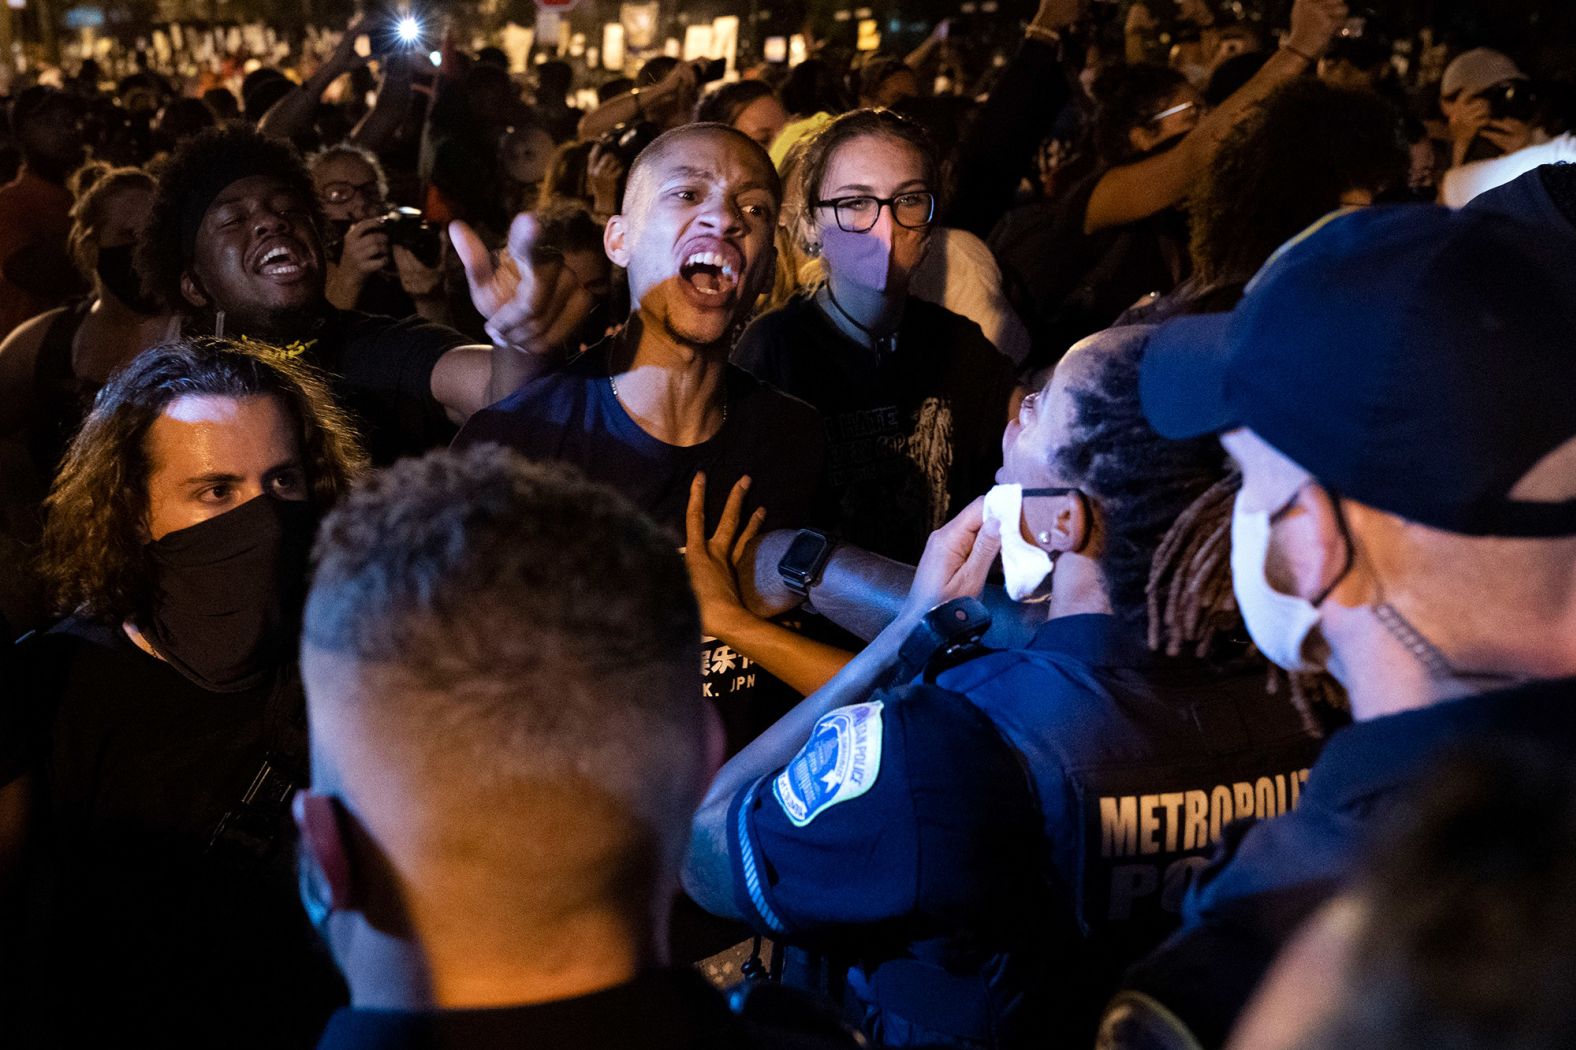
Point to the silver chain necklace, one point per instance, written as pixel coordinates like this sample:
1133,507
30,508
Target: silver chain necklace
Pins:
613,384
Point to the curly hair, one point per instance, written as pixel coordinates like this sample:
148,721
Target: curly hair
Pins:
861,123
92,557
1287,164
199,169
93,186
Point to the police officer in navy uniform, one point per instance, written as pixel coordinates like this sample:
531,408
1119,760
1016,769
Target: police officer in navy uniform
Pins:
989,844
1407,518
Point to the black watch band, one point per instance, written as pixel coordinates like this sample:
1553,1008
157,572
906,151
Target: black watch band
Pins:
946,635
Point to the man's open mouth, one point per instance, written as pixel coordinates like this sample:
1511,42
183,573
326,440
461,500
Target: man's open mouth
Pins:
282,260
709,273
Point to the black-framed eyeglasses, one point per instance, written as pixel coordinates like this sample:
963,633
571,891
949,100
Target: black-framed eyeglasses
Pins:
1052,492
913,210
344,192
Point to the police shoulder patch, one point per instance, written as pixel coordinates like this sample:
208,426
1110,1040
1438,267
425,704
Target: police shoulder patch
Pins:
840,762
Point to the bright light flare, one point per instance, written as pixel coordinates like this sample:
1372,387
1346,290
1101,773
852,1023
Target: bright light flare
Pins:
408,29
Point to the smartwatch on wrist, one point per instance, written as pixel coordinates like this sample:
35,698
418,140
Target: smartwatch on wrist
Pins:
800,568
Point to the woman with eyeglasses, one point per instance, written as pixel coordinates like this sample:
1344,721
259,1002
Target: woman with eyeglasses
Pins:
913,395
365,271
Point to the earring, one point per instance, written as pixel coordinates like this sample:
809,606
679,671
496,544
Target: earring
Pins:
1043,537
812,250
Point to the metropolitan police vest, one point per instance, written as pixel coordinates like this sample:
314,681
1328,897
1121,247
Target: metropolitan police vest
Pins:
1138,761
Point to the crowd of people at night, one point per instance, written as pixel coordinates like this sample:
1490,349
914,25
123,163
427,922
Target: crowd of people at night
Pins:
1067,548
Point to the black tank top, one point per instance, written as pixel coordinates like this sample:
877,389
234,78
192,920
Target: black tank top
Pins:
61,398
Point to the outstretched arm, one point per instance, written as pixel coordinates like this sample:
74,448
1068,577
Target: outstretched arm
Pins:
1019,114
292,115
656,102
1135,191
532,308
863,592
392,106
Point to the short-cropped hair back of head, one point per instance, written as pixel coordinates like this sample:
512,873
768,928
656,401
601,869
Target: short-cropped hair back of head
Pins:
525,630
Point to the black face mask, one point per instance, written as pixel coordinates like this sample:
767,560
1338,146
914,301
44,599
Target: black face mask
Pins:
228,593
122,280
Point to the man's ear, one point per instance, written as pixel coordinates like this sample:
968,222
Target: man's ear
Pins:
192,290
615,240
323,842
1322,555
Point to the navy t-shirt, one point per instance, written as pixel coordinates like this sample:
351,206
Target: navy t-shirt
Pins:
572,416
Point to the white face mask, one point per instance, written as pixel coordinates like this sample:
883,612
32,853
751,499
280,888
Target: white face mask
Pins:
1278,623
1025,566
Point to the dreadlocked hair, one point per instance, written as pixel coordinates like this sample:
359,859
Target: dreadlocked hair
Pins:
1190,600
1191,603
1165,544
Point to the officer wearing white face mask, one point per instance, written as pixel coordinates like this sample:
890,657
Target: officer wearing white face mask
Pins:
1139,723
1398,388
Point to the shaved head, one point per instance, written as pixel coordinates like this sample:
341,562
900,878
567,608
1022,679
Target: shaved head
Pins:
642,173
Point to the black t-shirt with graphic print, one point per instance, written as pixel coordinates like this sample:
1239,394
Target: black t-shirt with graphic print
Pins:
913,435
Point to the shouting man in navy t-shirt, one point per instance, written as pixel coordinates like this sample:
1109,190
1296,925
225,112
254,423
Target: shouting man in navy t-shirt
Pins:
656,402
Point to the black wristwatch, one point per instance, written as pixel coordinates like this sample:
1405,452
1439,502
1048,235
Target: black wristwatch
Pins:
800,568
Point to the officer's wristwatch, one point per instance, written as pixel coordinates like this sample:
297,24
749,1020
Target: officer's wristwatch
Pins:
800,568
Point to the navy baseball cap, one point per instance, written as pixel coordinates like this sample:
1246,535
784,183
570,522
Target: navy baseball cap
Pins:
1418,360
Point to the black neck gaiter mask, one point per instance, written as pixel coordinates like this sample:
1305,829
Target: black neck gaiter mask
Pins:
228,592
